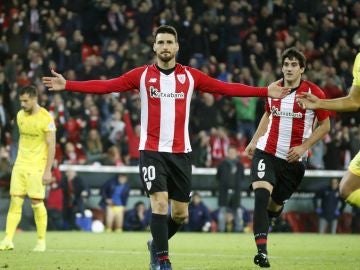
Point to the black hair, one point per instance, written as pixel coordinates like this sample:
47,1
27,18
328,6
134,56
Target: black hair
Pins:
166,29
31,90
292,53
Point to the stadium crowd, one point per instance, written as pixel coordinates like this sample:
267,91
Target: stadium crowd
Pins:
235,41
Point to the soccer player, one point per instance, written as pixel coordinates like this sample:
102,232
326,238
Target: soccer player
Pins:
280,146
350,183
165,166
32,169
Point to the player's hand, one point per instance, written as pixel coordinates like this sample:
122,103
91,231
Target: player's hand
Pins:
56,83
307,101
47,178
275,90
295,153
250,150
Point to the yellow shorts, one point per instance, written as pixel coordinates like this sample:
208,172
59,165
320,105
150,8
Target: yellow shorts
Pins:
354,166
117,209
27,181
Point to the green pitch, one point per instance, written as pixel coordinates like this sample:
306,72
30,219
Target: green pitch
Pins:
188,251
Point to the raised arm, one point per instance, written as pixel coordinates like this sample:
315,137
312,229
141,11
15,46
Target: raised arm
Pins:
125,82
207,84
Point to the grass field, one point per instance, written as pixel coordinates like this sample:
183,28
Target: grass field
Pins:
188,251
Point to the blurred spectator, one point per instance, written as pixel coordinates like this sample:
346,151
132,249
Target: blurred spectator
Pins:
74,154
113,157
329,206
76,193
199,215
114,196
5,167
133,139
219,143
138,218
202,150
230,174
204,107
316,159
55,201
94,147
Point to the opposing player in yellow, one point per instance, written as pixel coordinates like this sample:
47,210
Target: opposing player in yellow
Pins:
32,169
350,183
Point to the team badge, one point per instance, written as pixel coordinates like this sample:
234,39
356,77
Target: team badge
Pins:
181,78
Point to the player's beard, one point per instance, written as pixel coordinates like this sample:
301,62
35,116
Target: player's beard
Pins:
166,57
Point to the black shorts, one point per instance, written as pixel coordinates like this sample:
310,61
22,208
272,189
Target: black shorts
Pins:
285,177
161,171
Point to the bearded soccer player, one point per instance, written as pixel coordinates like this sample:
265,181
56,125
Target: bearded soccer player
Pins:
32,169
350,183
165,166
280,146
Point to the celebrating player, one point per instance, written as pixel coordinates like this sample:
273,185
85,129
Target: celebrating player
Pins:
32,169
165,166
350,183
279,147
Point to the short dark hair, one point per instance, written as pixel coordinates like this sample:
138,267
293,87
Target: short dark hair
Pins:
167,29
31,90
292,53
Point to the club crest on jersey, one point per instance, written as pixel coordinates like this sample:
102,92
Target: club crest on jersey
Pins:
181,78
276,112
155,93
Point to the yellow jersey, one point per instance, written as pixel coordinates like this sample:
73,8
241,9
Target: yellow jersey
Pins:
33,149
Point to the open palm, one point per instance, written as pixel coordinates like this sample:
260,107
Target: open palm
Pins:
55,83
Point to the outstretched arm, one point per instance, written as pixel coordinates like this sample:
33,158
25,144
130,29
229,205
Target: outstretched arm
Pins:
207,84
349,103
125,82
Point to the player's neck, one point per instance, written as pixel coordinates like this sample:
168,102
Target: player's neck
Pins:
35,109
292,84
166,65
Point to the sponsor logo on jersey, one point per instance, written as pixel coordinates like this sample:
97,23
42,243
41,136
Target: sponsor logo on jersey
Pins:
155,93
276,112
152,80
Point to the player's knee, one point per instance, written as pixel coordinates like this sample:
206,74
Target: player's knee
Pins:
275,213
179,218
160,207
16,204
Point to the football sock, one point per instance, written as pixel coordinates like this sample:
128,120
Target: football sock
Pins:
13,216
173,227
159,231
356,70
40,215
261,219
354,198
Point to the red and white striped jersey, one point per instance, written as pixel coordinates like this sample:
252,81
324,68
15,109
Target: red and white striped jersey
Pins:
289,124
165,101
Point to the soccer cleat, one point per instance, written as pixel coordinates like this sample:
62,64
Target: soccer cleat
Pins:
165,265
356,71
261,260
40,246
154,261
6,244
